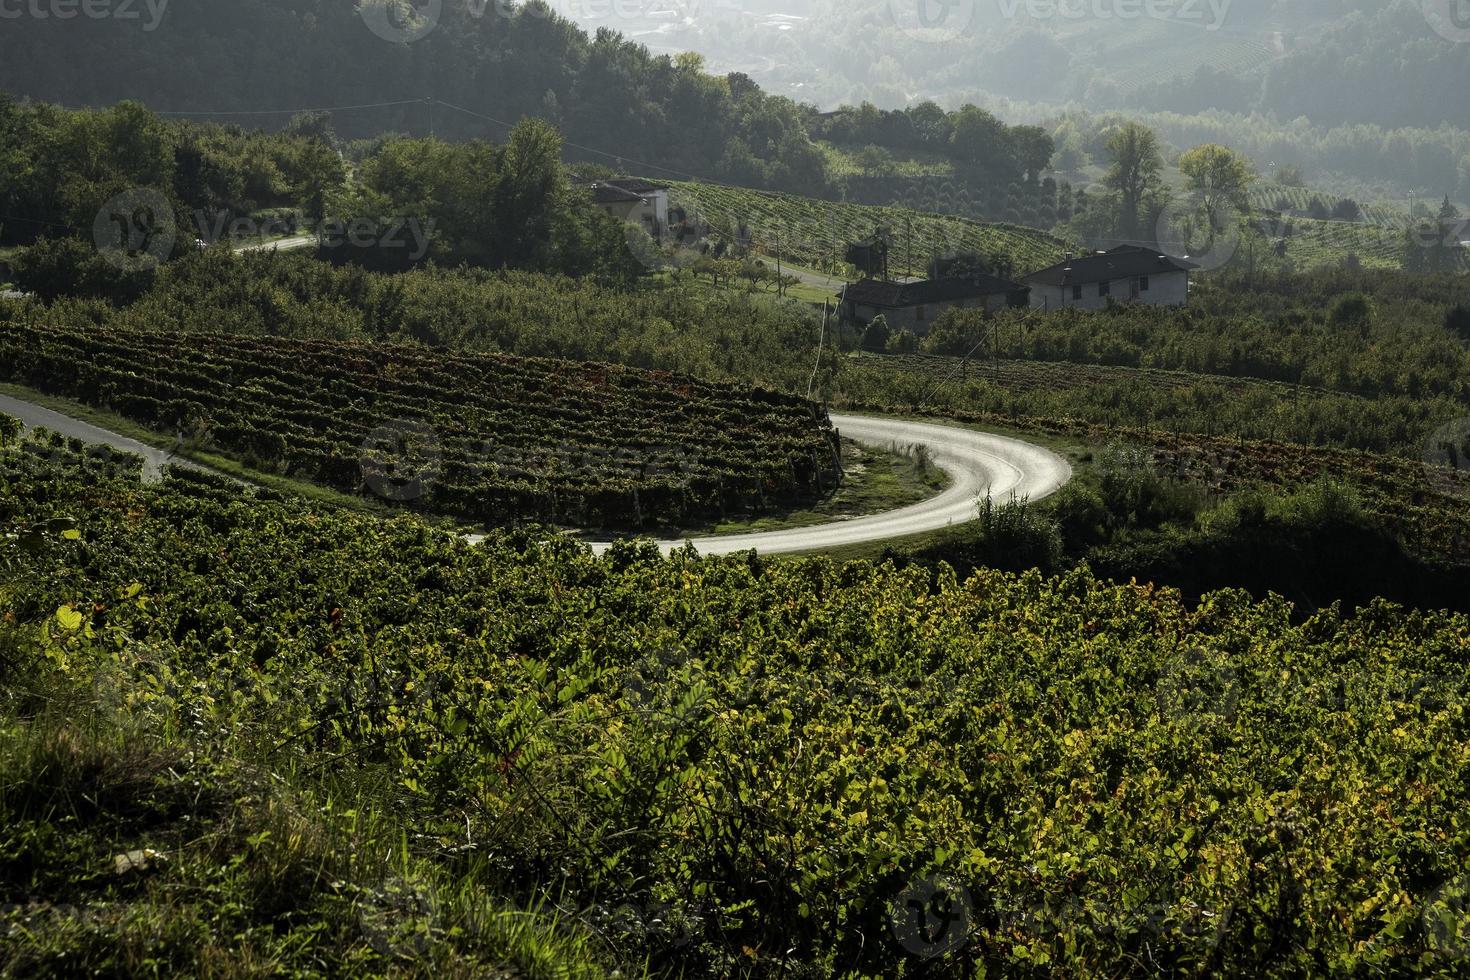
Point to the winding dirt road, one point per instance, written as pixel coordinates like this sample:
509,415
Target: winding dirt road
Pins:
976,463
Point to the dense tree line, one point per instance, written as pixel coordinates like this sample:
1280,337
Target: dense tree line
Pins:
498,60
973,138
58,169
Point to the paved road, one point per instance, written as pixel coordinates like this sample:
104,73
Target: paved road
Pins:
153,459
976,462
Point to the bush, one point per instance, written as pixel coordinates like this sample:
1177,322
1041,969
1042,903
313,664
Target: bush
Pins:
875,338
1137,495
1080,513
1352,310
903,342
1457,322
55,267
1015,537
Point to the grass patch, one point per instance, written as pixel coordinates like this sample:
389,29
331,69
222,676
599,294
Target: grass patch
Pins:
133,843
877,480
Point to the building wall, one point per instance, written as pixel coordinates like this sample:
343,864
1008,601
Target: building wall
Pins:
907,317
653,216
1169,289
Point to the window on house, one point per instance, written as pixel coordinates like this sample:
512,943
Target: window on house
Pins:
1143,284
1104,289
1077,292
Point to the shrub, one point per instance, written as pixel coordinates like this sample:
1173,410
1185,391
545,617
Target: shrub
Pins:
1015,537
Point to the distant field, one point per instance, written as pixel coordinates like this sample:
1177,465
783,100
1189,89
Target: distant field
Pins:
815,233
1270,197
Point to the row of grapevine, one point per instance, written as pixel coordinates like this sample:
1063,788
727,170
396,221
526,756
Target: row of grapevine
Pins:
809,768
490,438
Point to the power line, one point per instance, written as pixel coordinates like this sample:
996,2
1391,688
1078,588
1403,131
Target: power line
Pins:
284,112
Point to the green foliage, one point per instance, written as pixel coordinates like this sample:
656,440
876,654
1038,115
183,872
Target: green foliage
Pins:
494,439
57,267
416,200
62,166
772,755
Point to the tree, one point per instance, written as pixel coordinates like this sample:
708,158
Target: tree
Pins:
1220,176
982,140
875,337
1347,210
874,161
1136,174
1034,149
1290,175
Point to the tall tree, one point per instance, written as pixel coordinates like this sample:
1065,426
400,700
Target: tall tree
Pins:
1136,174
1219,175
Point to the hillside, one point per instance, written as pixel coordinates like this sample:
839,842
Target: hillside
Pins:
816,232
492,439
369,744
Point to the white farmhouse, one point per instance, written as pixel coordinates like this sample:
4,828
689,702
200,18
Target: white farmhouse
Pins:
636,201
1126,274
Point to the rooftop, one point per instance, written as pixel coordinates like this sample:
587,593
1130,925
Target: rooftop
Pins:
622,190
895,295
1123,262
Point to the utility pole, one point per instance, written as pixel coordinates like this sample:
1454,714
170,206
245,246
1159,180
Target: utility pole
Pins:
430,103
780,286
909,260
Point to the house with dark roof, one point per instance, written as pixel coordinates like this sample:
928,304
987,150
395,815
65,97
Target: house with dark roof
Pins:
915,306
1126,274
637,201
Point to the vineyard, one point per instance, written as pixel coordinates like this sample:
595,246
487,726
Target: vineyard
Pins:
490,438
816,233
1424,501
1270,197
706,767
1310,243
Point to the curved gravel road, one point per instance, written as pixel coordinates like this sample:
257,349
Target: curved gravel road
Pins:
976,463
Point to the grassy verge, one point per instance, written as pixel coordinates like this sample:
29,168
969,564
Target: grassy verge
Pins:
876,480
129,846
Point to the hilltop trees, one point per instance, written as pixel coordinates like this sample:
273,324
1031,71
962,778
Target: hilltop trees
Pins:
1219,175
495,207
1136,175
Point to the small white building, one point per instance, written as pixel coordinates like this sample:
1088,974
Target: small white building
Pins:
1126,274
914,306
636,201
